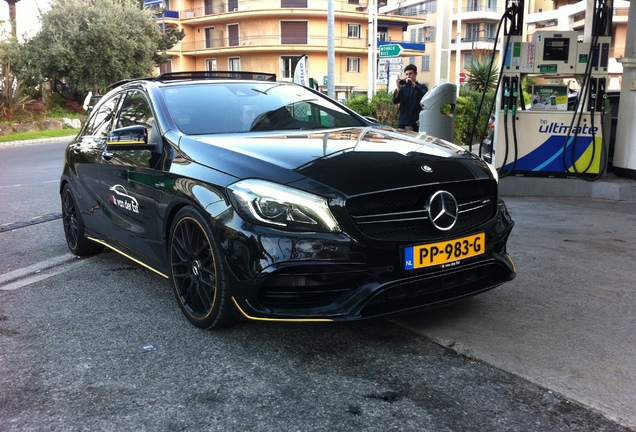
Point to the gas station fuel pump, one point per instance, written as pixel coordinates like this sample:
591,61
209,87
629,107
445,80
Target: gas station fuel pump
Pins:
555,135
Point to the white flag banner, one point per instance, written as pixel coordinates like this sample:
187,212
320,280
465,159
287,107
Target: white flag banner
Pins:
300,72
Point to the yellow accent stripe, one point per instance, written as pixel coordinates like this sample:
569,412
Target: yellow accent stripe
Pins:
127,256
514,266
279,319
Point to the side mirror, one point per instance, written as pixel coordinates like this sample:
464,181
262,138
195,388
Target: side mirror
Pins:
129,138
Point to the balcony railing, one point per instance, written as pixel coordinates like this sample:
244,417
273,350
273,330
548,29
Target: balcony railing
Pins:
168,14
271,40
480,8
257,5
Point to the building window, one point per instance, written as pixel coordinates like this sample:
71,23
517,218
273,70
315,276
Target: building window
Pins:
472,31
354,31
232,5
234,63
210,64
288,65
426,63
383,34
491,31
233,35
429,34
353,64
208,7
293,3
468,60
209,36
293,32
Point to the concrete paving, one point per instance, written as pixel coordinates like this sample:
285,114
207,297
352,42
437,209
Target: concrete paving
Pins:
568,321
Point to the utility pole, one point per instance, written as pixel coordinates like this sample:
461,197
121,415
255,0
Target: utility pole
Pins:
331,52
372,11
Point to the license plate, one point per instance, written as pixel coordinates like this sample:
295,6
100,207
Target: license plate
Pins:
444,253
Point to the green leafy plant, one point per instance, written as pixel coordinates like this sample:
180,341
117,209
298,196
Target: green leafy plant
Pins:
481,76
11,95
465,113
380,107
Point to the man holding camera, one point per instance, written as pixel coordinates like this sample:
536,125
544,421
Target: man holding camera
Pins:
408,94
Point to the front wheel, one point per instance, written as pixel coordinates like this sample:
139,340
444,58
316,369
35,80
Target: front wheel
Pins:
197,273
74,226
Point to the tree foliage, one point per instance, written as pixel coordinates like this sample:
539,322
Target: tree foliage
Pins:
90,44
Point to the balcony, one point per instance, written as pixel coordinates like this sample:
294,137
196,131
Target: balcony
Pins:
266,42
233,6
478,12
475,43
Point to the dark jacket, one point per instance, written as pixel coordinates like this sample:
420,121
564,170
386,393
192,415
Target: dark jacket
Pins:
409,100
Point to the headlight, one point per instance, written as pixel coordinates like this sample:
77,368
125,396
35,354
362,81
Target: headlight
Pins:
273,204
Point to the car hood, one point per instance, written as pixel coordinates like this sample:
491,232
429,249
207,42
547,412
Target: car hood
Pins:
353,161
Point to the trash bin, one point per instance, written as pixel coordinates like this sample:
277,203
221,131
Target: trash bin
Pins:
432,121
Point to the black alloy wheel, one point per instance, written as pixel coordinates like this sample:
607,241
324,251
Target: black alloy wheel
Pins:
74,227
198,276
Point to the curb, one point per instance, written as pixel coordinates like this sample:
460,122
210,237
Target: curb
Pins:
36,141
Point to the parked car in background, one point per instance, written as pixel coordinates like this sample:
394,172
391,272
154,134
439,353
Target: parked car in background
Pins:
266,200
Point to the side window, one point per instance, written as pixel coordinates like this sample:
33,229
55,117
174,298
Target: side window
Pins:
135,111
100,123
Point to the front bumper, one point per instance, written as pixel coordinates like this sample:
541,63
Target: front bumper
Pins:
335,278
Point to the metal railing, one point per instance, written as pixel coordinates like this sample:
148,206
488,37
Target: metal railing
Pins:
270,40
258,5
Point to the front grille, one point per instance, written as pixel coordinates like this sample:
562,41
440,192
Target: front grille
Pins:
401,215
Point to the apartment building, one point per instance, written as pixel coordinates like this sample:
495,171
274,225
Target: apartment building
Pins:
472,34
473,31
272,35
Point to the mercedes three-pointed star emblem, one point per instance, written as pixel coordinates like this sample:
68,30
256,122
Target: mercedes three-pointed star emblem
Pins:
442,210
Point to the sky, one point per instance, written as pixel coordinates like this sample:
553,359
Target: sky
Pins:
27,16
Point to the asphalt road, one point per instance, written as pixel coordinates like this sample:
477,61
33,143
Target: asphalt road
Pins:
100,344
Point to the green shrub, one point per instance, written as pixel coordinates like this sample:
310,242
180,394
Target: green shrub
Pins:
380,107
465,113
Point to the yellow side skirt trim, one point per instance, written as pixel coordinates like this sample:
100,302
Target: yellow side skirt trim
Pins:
103,243
279,319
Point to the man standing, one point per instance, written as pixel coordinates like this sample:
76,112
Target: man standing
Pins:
408,94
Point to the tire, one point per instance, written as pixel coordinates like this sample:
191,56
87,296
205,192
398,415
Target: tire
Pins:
74,227
198,276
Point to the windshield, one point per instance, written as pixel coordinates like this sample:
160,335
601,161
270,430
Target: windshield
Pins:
238,107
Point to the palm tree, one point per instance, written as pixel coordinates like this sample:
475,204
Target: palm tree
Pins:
477,73
12,16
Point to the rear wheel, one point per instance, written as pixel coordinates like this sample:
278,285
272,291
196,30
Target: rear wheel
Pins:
74,226
197,274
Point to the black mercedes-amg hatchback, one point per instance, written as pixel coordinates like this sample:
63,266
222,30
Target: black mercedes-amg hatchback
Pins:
266,200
